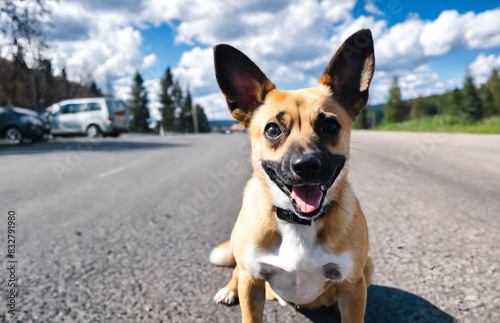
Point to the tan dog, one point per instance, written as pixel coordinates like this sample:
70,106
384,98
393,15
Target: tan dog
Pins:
301,236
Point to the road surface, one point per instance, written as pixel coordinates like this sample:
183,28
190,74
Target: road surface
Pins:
120,229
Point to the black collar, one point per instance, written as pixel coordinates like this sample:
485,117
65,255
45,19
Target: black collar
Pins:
290,216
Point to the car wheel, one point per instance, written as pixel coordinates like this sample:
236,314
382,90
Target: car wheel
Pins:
13,135
93,131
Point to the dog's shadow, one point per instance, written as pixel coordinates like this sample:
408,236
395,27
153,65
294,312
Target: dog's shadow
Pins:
386,304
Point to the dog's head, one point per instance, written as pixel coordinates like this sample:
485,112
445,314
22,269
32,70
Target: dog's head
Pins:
300,139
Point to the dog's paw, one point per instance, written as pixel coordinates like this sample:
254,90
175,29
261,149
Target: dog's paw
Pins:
225,296
281,301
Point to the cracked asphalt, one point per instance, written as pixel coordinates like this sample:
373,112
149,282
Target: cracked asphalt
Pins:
119,229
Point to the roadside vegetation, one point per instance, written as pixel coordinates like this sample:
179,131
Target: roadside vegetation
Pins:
470,109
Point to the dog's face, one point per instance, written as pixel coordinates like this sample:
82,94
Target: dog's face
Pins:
300,139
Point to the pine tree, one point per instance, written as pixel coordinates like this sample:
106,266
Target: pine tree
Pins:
490,93
453,107
139,105
93,90
472,108
176,95
364,120
395,110
419,108
488,101
186,118
202,119
494,82
167,109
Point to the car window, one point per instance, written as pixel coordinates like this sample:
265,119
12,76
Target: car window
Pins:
65,109
70,108
115,105
94,106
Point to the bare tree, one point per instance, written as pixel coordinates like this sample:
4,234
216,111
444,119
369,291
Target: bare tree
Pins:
22,23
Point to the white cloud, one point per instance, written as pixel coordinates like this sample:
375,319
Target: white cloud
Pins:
195,69
372,8
482,66
214,106
440,35
418,81
149,60
469,30
110,46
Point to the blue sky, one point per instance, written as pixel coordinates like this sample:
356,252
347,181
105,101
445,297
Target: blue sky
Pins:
428,44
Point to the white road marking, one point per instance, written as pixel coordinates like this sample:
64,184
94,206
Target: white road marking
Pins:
111,172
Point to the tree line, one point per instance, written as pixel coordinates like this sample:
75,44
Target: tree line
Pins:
37,88
178,114
465,105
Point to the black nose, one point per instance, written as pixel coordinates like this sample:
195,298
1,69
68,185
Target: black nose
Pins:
306,166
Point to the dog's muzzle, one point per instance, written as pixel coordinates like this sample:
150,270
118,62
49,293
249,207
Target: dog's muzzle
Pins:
305,179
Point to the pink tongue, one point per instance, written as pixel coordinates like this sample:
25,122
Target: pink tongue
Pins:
307,198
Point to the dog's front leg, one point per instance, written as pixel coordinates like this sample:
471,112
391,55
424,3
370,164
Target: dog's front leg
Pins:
251,292
352,302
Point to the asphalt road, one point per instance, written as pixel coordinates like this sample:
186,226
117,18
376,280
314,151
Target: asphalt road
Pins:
120,229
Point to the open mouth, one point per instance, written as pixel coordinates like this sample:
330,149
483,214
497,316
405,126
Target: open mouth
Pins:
307,200
307,195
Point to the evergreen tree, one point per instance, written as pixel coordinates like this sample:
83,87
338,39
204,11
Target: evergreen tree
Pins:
364,119
186,118
176,95
167,109
490,93
139,105
395,110
472,108
454,106
202,119
488,101
93,90
419,108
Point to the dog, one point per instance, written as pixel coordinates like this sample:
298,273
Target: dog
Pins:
300,237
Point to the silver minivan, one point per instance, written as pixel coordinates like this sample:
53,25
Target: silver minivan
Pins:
91,116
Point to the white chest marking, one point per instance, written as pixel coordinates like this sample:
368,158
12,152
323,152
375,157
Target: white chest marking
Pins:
298,267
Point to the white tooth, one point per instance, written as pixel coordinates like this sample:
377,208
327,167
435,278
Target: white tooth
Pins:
322,187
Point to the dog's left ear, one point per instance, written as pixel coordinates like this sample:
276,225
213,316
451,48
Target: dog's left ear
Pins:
350,72
243,84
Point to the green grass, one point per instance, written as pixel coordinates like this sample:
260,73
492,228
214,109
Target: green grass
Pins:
439,123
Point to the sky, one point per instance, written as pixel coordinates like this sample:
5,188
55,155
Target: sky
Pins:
429,45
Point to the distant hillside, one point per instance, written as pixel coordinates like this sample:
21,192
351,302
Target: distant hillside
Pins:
376,107
221,123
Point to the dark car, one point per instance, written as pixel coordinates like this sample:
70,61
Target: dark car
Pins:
17,124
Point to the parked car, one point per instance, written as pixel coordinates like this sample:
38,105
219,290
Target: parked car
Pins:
18,123
90,116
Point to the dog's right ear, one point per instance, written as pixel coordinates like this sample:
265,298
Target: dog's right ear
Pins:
243,84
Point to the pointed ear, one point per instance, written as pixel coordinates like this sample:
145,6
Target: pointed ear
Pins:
241,81
350,72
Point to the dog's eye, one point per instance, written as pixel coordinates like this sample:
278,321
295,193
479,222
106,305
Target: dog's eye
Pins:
330,126
272,131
